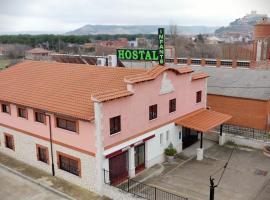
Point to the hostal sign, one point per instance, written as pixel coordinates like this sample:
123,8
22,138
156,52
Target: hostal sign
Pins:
143,54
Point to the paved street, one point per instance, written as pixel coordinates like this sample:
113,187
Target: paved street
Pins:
13,187
246,178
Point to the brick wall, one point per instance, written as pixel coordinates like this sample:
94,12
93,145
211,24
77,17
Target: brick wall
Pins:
245,112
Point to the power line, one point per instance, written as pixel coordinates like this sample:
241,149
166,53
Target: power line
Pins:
225,166
212,184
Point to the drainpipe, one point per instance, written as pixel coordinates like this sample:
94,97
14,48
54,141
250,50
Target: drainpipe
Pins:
51,143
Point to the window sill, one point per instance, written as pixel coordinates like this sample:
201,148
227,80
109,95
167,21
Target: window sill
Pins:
6,113
68,131
172,113
23,118
151,120
37,122
45,163
78,176
10,149
117,133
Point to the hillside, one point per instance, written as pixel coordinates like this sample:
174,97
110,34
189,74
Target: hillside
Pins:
242,25
134,29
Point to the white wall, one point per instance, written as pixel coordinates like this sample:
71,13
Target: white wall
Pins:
155,150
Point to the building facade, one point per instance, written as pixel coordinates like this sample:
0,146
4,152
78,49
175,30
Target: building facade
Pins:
79,120
261,36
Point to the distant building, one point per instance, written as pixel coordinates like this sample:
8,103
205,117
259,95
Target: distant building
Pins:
37,54
213,40
1,51
109,60
133,43
169,51
121,42
261,38
243,94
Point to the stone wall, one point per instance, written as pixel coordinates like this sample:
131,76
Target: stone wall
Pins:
25,150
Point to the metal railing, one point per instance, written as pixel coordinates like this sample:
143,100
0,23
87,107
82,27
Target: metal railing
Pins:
246,132
139,189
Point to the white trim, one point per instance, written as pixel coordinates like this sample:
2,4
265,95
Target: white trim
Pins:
128,143
99,148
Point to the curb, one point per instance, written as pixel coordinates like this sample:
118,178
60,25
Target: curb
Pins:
36,182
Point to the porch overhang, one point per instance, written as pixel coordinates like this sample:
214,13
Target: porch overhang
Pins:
202,120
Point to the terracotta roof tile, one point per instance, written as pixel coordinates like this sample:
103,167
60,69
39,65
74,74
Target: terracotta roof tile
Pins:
202,120
62,88
154,72
110,95
200,75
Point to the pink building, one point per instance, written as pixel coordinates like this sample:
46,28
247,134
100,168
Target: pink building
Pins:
81,120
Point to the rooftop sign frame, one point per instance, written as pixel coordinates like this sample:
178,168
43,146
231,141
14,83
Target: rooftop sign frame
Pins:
145,54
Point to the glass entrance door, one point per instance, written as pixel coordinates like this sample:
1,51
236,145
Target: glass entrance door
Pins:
139,157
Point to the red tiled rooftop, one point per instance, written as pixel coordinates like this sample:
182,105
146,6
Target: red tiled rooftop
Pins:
71,89
200,75
154,72
202,120
63,88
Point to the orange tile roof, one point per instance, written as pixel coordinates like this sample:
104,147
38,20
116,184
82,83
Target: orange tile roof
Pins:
38,51
202,120
63,88
154,72
200,75
110,95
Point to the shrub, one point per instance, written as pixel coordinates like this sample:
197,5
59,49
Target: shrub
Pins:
170,151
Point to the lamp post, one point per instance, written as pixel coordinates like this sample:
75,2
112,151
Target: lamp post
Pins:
51,143
212,188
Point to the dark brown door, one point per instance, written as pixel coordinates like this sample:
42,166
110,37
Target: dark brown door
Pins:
118,166
189,137
139,158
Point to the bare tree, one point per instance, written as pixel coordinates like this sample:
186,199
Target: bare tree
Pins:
173,33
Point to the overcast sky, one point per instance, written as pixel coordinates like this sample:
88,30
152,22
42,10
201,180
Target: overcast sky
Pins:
66,15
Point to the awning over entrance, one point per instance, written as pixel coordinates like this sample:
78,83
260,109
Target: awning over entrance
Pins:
202,120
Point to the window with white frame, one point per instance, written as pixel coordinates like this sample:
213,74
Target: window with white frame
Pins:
161,138
167,136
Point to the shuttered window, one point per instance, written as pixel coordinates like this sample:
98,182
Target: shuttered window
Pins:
172,105
66,124
115,124
68,164
152,112
9,142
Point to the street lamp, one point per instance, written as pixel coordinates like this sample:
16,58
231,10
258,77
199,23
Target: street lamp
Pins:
51,143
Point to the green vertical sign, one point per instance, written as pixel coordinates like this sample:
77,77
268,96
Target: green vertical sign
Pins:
161,46
145,54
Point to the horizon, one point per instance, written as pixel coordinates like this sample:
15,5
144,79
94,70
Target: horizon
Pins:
61,17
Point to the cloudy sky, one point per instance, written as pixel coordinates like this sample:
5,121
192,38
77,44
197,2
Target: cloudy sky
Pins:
66,15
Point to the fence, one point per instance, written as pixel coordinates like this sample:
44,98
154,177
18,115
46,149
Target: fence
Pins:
139,189
246,132
211,62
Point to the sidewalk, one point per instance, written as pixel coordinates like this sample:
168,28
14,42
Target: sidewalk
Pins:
57,185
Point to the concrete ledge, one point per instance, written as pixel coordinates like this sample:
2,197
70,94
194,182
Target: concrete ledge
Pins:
36,182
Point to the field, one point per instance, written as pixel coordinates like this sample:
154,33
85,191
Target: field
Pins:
4,63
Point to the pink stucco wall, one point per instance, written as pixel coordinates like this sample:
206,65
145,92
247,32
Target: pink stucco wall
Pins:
84,140
134,109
